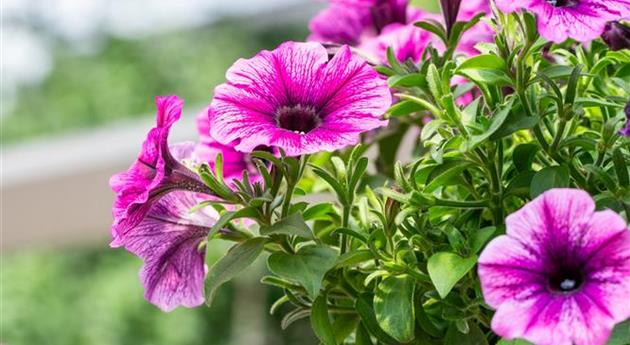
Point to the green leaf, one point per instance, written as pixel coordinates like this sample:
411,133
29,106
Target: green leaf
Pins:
549,177
446,269
365,310
485,68
393,306
480,237
434,27
408,80
292,225
620,334
318,211
596,102
497,121
621,168
404,108
443,173
235,260
354,257
308,266
320,321
516,121
246,212
423,320
362,337
523,156
474,337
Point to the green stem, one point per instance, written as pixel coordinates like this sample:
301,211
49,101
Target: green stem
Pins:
462,204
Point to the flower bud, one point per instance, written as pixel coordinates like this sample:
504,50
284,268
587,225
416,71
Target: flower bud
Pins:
617,36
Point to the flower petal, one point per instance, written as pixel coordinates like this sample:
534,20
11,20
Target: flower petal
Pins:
348,84
554,320
168,241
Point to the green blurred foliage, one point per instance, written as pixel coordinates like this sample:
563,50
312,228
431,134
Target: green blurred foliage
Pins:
94,296
121,80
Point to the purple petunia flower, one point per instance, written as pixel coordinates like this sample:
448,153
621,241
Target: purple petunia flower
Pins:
169,240
409,41
296,99
156,172
206,151
561,274
351,21
617,36
582,20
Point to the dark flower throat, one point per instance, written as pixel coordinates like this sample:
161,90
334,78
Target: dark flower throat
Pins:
298,118
565,280
562,3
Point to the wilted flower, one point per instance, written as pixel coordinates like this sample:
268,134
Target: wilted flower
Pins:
296,99
582,20
156,172
617,36
561,274
169,239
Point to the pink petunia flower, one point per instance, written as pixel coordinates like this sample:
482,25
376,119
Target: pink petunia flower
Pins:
156,172
582,20
206,151
351,21
168,239
409,41
561,274
296,99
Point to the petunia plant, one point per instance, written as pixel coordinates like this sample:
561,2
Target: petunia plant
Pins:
408,177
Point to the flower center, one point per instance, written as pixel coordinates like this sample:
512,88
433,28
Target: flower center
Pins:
562,3
565,281
298,118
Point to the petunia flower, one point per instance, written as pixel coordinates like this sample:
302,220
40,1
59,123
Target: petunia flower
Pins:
352,21
169,240
409,41
561,274
582,20
156,172
206,151
296,99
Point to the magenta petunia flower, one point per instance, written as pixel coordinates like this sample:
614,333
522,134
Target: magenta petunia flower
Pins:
561,274
156,172
206,151
296,99
582,20
408,42
169,240
351,21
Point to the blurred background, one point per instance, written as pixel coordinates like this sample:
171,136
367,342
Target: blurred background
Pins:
78,81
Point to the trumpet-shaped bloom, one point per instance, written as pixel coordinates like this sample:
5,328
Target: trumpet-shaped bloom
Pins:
582,20
296,99
156,172
169,240
350,21
561,274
